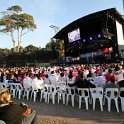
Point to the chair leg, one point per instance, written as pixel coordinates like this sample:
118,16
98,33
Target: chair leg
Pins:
19,93
48,98
58,97
35,95
122,104
86,101
109,105
27,93
72,99
94,100
101,103
53,98
63,95
45,96
41,96
67,99
116,103
80,98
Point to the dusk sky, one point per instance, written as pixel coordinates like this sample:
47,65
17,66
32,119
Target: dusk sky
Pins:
53,12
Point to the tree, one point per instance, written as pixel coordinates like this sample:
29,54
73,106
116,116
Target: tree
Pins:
55,44
31,48
14,22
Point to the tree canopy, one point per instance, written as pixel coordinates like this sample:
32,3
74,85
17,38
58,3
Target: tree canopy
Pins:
16,24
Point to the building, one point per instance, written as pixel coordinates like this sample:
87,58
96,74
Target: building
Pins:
95,38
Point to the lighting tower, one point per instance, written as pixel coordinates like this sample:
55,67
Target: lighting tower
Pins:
56,29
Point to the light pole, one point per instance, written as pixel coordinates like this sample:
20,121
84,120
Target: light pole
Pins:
56,29
123,8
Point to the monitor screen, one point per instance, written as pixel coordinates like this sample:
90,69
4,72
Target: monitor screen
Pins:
74,35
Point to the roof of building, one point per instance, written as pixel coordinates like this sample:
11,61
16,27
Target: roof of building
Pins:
88,18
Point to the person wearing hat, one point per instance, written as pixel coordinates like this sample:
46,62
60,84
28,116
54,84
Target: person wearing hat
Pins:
11,112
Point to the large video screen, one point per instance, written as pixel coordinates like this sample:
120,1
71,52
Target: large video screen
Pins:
74,35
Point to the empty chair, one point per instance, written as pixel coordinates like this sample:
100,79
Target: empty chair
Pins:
97,93
26,93
61,93
19,91
51,91
43,93
13,89
112,93
70,92
83,93
34,92
121,95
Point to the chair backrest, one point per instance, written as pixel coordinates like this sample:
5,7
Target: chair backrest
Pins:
19,86
91,79
70,90
112,92
12,86
83,92
3,85
2,122
121,92
97,91
51,89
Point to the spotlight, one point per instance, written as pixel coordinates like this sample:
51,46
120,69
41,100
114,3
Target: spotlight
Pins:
99,36
91,38
84,40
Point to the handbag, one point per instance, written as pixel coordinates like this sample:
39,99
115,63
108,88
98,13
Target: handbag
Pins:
27,112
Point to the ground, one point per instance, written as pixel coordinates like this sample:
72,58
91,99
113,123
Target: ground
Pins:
62,114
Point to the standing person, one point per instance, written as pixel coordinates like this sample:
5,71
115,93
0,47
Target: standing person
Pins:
12,113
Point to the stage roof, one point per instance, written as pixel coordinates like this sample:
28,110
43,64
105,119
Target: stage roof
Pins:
88,18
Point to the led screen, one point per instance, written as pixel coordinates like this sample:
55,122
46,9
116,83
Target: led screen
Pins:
74,35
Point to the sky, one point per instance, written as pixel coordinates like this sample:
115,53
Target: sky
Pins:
53,12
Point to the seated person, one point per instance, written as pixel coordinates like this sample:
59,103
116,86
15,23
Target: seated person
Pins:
111,83
82,82
12,113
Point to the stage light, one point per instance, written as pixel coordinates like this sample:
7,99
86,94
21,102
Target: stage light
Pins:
84,40
91,38
99,36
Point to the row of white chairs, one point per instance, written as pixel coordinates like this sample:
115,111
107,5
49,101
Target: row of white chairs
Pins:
89,95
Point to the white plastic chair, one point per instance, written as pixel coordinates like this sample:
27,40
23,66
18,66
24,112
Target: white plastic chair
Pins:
51,91
122,98
34,92
112,93
19,91
97,93
43,92
2,85
26,93
70,91
2,122
83,93
13,89
61,92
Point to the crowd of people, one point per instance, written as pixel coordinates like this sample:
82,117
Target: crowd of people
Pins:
34,77
105,75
